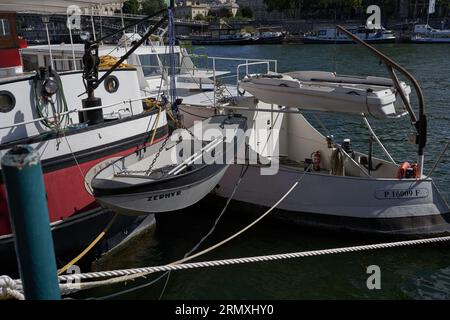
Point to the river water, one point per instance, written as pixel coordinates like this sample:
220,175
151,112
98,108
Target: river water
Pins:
417,273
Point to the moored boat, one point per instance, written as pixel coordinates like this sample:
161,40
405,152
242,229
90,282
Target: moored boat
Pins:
334,186
269,35
74,136
333,36
424,33
178,174
220,39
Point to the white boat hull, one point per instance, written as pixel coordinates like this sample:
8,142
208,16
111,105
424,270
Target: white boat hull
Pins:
158,202
382,206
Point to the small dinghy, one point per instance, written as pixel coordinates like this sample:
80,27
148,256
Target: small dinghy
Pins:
326,91
173,174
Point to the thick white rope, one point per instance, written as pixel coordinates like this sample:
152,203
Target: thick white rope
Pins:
215,263
8,289
138,272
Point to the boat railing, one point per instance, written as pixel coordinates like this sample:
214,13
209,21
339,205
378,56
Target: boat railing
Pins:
239,67
237,60
58,115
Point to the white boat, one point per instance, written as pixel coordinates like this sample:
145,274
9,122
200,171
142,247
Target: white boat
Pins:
45,109
325,91
332,36
159,180
424,33
339,188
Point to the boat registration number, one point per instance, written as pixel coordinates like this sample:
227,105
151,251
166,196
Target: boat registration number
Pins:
401,194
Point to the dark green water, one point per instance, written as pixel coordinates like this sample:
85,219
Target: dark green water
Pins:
417,273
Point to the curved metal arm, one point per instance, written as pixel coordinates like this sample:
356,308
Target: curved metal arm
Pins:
421,123
390,63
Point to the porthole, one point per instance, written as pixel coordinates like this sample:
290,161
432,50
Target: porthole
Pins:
111,84
7,101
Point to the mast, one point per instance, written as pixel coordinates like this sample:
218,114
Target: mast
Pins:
431,9
172,68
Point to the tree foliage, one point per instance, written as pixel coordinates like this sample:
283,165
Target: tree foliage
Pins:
245,12
150,7
131,7
346,9
199,17
221,13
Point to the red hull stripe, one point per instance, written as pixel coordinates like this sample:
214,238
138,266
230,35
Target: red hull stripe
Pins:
66,191
10,58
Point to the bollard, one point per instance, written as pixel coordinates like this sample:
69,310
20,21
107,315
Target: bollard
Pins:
28,213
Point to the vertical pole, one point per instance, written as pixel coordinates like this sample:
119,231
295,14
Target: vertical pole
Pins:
124,31
71,43
93,25
101,25
172,73
215,83
28,214
49,46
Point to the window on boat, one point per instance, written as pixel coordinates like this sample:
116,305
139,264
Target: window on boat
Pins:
4,28
30,62
150,64
63,63
7,101
322,32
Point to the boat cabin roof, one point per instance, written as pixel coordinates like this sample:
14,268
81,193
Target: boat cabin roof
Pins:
66,48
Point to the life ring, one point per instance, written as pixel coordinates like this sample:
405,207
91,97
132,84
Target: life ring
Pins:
401,173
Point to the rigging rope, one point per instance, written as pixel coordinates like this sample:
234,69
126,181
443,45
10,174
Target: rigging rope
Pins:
241,176
89,247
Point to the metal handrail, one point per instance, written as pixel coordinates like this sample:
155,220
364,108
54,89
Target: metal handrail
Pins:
378,140
56,115
247,65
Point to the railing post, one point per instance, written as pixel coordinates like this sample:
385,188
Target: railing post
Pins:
27,204
215,83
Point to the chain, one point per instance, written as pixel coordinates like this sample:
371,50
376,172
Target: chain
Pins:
150,169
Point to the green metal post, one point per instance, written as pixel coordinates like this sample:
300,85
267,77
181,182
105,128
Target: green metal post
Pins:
27,204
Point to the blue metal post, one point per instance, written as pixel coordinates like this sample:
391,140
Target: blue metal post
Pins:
27,204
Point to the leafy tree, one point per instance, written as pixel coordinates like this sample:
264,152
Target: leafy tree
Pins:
199,16
245,12
150,7
131,7
221,13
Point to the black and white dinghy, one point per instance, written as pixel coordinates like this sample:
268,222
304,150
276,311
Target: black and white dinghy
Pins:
173,174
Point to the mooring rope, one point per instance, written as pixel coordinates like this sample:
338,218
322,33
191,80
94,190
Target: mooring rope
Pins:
215,263
9,289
